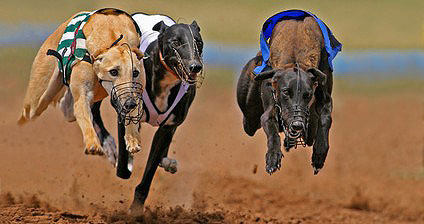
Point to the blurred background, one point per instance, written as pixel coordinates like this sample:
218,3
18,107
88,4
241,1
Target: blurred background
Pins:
375,169
379,37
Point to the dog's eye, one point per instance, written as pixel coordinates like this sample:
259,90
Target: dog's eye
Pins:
113,72
135,73
285,92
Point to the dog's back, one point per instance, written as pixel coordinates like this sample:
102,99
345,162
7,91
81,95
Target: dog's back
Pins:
106,26
296,41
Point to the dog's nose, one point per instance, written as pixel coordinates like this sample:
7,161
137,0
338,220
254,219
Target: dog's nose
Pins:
130,104
195,67
297,125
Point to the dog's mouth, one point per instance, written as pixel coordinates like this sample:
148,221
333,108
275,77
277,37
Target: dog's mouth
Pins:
126,99
191,73
294,137
294,123
191,77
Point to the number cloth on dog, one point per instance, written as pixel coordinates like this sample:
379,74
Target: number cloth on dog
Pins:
332,46
72,48
72,44
146,23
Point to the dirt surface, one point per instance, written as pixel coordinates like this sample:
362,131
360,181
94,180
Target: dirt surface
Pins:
374,172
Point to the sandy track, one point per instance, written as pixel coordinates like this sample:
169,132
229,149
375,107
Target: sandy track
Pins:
373,174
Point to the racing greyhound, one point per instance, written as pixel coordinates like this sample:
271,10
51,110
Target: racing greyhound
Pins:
174,68
97,55
287,87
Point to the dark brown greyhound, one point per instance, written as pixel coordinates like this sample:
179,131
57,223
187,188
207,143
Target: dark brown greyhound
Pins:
292,94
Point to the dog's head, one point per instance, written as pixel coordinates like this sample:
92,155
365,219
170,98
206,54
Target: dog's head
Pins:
181,46
294,91
121,72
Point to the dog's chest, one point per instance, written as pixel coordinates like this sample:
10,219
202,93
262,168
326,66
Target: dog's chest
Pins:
166,85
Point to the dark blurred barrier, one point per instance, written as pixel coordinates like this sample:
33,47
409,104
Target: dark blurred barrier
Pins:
387,62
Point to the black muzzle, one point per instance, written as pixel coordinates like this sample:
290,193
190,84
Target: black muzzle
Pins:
295,125
298,117
126,98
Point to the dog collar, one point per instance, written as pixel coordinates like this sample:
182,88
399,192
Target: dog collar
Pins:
162,61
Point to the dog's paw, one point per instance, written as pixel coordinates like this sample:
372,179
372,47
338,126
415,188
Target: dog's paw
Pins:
109,148
136,209
93,148
133,144
273,161
318,162
169,165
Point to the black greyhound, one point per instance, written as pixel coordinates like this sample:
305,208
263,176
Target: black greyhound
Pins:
294,97
291,101
172,62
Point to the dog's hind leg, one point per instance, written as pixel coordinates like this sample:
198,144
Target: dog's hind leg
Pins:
66,104
249,98
44,72
82,82
54,87
168,164
106,139
45,83
161,142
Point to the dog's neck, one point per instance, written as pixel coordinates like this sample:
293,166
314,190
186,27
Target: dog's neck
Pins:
159,80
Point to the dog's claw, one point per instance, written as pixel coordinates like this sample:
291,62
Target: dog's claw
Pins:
169,165
273,161
133,145
316,170
93,150
133,149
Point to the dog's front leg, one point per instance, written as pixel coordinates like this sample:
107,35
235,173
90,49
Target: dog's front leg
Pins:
270,126
321,144
81,84
132,137
161,141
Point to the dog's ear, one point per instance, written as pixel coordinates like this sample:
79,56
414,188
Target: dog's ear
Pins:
194,25
265,75
97,59
160,27
137,52
96,62
318,76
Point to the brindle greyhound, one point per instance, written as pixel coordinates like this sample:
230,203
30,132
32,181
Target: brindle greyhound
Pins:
173,68
294,97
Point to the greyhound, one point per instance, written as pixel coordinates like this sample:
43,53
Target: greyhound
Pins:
292,92
174,68
98,56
